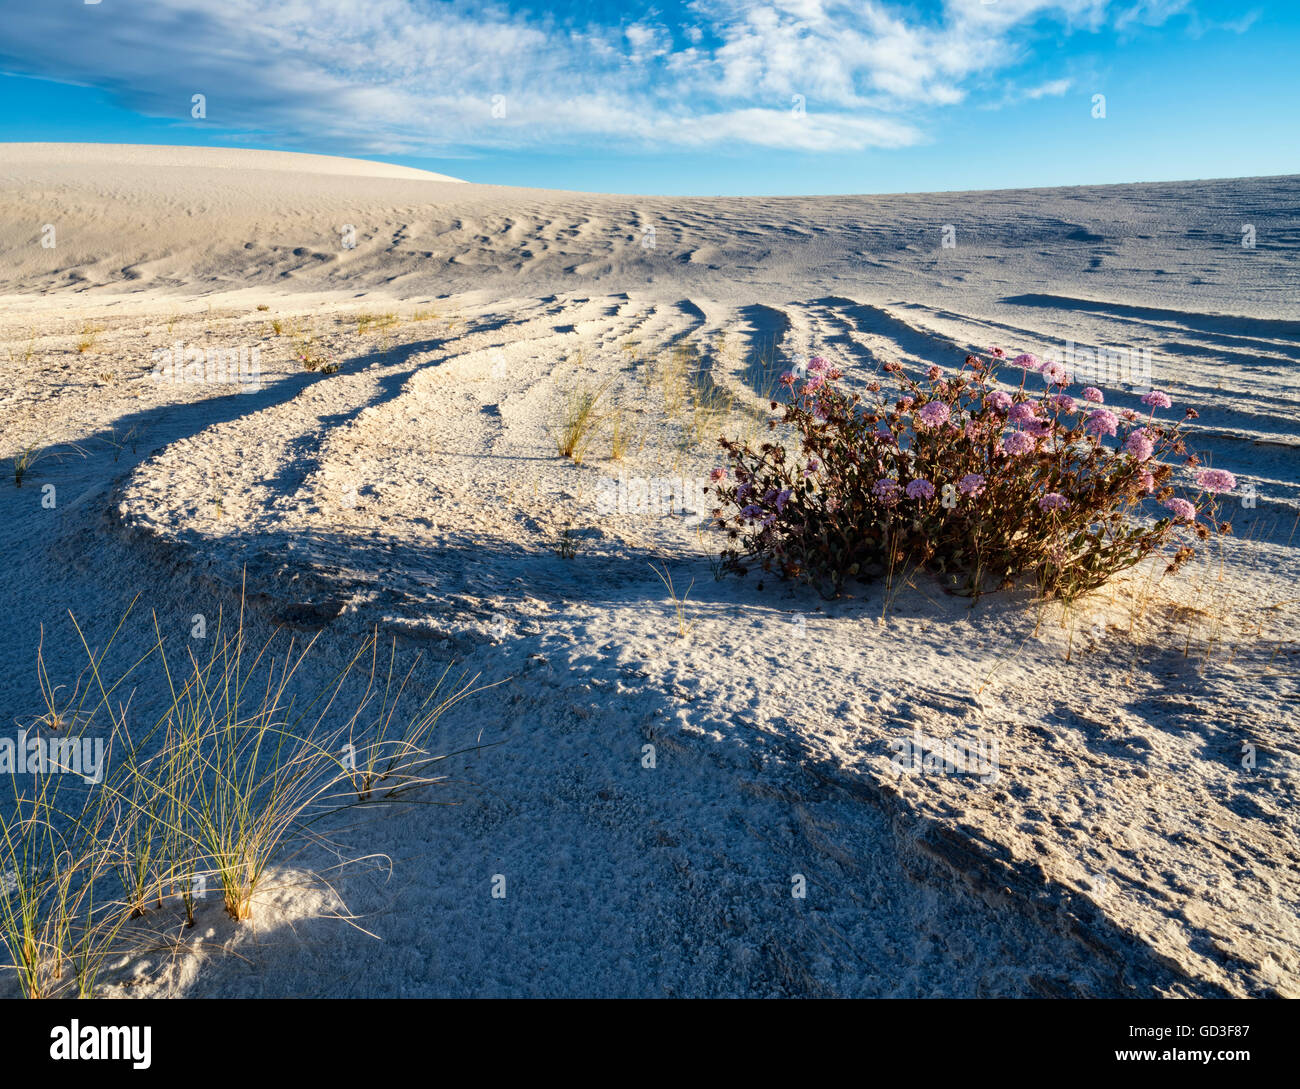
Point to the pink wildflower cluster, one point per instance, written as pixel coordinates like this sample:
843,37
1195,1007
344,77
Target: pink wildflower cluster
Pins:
1029,482
1018,443
920,489
933,414
1101,422
1053,501
1139,444
886,490
1215,480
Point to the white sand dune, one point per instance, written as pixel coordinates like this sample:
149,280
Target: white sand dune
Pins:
100,158
1124,849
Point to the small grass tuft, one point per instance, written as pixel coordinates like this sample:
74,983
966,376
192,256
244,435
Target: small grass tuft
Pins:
568,543
24,356
375,321
679,603
578,422
25,459
621,436
88,337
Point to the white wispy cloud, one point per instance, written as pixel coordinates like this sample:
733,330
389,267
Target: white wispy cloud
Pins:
448,76
1050,89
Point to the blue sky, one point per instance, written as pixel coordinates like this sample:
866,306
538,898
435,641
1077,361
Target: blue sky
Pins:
681,96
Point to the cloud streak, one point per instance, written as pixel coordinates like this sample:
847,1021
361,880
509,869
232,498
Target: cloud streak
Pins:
437,77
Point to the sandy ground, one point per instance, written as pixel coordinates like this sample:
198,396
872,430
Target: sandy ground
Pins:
1139,836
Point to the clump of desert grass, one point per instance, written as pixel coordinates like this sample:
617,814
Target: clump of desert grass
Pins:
59,844
1225,604
88,337
389,742
707,410
681,381
568,542
623,435
34,452
118,443
56,851
684,627
579,419
368,321
672,375
23,356
223,783
24,461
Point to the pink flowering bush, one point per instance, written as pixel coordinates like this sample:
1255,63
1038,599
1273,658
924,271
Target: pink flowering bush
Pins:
964,479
